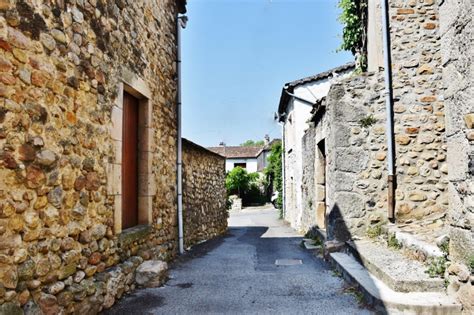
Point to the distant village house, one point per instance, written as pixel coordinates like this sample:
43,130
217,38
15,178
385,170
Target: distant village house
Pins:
252,158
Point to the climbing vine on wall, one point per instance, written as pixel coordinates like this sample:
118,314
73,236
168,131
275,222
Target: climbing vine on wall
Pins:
354,35
274,172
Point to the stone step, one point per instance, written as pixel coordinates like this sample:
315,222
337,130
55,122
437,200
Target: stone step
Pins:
410,241
394,269
387,301
321,233
310,245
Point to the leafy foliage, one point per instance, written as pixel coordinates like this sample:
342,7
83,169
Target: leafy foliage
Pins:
445,247
248,186
354,35
274,172
393,242
252,143
254,195
237,181
374,231
367,121
437,267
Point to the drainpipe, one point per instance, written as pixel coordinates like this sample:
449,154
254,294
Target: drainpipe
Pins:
180,23
389,109
299,98
283,172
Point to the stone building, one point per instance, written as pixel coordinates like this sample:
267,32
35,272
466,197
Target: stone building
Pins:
431,48
358,123
88,146
294,111
239,156
264,154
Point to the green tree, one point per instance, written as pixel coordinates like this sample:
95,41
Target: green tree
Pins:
237,181
353,17
252,143
274,172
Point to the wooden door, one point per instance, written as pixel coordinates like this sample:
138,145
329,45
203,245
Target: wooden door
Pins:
130,161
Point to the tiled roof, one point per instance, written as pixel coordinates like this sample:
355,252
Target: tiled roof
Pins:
237,151
322,75
290,86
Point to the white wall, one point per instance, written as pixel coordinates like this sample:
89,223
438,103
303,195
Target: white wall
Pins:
299,113
251,164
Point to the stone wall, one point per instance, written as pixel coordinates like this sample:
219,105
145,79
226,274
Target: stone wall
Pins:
356,154
308,218
204,194
314,170
63,68
456,28
419,110
421,168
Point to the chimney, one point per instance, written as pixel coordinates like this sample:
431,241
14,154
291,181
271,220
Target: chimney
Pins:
266,139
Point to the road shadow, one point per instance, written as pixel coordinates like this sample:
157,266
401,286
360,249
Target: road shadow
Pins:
338,232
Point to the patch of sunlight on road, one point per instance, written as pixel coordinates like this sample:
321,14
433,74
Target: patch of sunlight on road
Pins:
265,216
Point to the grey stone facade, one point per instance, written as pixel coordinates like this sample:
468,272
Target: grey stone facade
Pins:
457,37
356,152
308,218
314,172
356,178
434,121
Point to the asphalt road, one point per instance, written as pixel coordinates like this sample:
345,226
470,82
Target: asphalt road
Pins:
237,274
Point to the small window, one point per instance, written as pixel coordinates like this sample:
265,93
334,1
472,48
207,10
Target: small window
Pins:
242,165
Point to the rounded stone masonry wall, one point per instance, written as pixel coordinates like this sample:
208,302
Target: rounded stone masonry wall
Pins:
358,159
204,194
419,110
63,68
357,162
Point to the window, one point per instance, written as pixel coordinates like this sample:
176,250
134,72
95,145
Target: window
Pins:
242,165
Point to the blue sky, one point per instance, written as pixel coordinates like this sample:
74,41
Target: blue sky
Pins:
237,55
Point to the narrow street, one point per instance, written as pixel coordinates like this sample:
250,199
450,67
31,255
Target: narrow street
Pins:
237,274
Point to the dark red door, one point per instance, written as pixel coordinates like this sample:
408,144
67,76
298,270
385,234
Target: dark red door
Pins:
130,162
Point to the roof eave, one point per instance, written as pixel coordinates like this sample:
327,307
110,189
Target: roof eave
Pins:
290,86
284,100
242,157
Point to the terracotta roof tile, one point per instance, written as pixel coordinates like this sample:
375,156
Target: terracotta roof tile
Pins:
237,151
